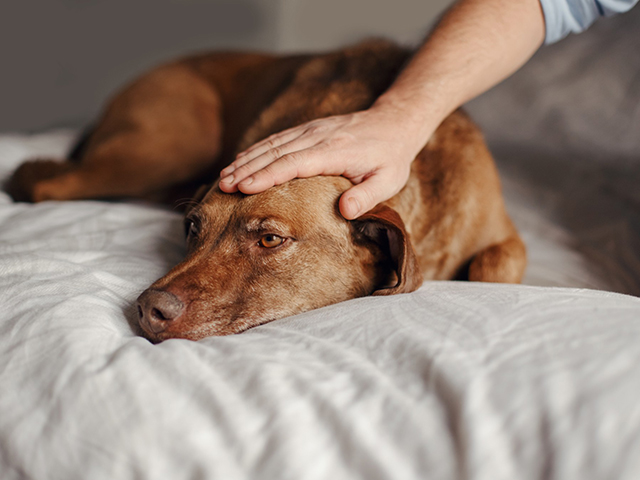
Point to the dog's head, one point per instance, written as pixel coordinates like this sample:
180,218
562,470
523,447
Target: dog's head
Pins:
253,259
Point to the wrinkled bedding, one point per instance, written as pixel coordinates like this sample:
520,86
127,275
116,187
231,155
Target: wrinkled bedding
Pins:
455,381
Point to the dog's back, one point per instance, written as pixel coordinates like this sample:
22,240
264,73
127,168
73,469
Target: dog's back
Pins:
182,123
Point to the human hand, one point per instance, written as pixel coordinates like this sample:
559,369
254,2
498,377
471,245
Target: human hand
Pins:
373,149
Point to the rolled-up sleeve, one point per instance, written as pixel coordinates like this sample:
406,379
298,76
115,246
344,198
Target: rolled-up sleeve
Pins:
565,16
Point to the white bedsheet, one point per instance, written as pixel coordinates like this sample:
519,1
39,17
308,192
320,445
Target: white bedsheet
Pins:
455,381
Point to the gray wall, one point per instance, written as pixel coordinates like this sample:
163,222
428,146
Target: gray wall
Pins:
60,59
321,24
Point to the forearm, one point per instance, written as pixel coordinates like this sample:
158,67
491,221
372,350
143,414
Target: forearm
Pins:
476,45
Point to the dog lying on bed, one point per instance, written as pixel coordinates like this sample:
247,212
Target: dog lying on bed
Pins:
253,259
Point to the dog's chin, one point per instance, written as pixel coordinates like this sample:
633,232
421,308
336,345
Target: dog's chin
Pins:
212,329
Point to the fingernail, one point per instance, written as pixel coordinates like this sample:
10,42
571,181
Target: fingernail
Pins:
247,181
226,171
354,206
228,179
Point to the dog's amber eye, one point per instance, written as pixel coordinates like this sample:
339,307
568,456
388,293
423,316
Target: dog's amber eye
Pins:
271,241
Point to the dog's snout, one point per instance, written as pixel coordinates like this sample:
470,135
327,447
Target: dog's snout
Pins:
157,309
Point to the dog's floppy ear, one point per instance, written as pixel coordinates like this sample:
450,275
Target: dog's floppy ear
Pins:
384,226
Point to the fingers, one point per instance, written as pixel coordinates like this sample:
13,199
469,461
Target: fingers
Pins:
361,198
282,170
289,158
297,164
273,142
364,149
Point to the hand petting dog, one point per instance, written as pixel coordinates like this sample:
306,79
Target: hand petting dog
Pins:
476,45
372,148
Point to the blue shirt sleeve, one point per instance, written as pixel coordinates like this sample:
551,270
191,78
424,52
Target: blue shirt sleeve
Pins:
565,16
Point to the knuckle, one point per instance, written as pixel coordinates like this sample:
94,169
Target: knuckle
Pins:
333,142
316,129
271,142
295,162
285,169
276,152
243,171
338,140
291,159
322,126
272,175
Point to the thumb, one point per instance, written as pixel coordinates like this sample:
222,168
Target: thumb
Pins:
361,198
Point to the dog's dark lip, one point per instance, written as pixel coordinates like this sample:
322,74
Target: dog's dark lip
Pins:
154,341
262,322
149,332
196,333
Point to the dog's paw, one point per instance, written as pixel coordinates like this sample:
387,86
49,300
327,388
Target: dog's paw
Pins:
22,186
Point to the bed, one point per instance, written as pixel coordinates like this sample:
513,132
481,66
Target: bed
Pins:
455,381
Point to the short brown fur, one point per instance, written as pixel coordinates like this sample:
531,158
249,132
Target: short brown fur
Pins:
180,124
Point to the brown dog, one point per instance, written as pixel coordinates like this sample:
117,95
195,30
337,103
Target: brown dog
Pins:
253,259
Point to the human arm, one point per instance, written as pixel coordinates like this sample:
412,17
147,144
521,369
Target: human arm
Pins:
476,45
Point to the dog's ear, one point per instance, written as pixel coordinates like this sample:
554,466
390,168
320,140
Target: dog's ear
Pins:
384,226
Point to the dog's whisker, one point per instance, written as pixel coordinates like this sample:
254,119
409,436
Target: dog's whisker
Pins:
185,202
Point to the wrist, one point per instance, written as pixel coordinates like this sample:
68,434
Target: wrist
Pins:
412,121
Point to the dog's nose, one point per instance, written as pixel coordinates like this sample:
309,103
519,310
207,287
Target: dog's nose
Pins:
157,308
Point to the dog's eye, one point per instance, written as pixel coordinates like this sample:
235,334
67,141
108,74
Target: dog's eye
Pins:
190,228
271,241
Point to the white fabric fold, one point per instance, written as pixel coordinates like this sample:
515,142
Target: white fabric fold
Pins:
456,380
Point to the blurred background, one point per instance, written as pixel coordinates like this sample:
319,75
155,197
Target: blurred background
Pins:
564,130
60,59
